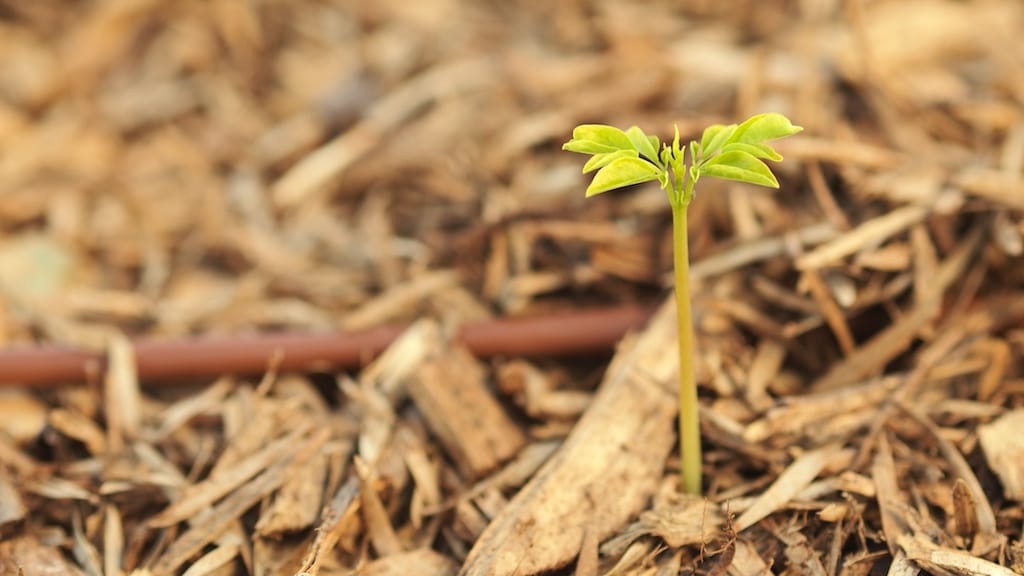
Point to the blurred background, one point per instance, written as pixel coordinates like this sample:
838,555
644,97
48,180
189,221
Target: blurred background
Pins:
204,166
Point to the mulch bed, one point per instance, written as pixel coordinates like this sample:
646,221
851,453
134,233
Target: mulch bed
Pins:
225,170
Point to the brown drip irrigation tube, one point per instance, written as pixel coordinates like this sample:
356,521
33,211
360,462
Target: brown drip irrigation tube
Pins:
572,334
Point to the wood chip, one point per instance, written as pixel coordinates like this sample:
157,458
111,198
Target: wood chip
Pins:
795,478
870,232
1004,451
451,392
422,561
542,527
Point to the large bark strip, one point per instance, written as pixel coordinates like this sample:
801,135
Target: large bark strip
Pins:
606,470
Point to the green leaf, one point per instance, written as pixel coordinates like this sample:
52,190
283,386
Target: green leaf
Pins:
622,172
655,144
642,143
694,151
601,160
714,136
756,150
762,128
597,139
740,166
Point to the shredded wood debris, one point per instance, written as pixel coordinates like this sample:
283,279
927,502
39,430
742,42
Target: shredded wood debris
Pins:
230,167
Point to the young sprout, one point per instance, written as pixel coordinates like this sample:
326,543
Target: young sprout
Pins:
626,157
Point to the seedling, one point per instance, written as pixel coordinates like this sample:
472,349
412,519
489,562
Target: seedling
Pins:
626,157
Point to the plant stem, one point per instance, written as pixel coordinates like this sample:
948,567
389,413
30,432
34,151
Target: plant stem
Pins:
689,425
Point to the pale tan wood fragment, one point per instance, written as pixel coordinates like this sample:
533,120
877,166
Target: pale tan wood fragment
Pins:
998,186
82,428
887,344
840,152
220,518
753,251
763,369
637,560
82,547
469,523
278,557
385,307
986,518
315,170
378,525
297,504
338,518
893,257
891,506
605,471
830,310
201,495
113,540
965,516
587,563
999,356
496,267
793,479
422,562
537,394
902,566
1003,445
22,415
926,262
122,396
676,519
746,561
517,471
934,557
802,411
826,199
425,472
389,371
207,400
869,232
1007,234
801,557
213,560
451,392
12,507
25,554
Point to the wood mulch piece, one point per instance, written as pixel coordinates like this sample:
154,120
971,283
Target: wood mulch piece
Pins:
180,169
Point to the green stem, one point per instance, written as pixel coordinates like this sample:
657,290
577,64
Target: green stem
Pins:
689,425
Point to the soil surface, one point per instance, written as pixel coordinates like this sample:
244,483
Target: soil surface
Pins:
392,172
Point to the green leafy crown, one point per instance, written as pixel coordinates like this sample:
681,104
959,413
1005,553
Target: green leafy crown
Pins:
733,152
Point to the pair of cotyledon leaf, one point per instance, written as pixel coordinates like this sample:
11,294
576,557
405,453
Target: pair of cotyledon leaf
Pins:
733,152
